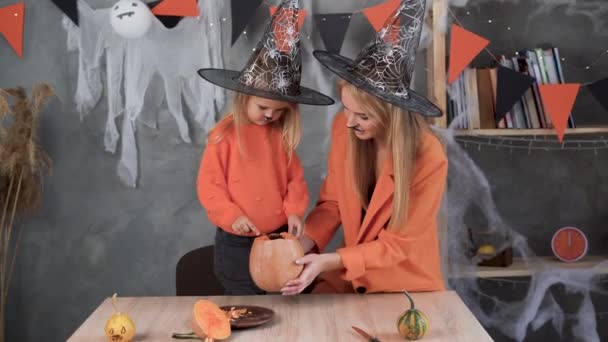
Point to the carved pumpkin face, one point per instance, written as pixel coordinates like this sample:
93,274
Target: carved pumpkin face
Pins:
120,327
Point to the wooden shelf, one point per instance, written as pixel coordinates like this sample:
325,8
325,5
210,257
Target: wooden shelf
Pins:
542,131
521,269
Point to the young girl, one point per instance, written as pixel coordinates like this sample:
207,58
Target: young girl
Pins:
250,180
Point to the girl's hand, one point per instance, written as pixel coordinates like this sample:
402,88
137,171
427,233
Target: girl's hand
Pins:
314,264
295,226
242,225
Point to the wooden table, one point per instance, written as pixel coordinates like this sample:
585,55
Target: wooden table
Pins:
298,318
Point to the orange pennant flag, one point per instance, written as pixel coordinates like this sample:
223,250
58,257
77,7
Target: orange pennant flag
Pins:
464,46
392,35
177,8
377,15
301,16
11,25
280,33
558,100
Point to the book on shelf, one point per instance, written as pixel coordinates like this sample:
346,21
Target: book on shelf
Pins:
472,97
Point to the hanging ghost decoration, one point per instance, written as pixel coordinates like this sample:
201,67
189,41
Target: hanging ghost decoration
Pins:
130,18
127,67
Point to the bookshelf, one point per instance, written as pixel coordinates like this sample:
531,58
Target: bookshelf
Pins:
437,93
521,268
437,85
538,131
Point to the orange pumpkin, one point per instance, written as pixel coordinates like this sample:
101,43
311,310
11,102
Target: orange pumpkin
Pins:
209,322
272,260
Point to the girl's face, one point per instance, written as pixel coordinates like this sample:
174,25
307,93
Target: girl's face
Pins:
364,126
262,111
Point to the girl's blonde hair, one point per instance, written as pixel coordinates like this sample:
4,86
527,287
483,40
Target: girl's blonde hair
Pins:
402,130
289,124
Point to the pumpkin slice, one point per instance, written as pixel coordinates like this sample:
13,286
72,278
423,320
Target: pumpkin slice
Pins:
272,260
209,322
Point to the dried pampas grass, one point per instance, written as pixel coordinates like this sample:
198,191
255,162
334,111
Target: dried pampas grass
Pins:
23,164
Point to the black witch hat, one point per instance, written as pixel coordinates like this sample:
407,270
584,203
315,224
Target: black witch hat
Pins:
385,66
275,68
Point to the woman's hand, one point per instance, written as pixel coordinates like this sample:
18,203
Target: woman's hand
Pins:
314,264
295,226
242,225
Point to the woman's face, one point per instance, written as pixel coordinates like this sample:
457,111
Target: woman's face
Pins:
262,111
364,126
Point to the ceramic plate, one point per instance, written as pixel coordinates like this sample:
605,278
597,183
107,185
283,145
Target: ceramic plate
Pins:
255,316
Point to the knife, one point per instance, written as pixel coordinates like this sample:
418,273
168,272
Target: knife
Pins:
366,335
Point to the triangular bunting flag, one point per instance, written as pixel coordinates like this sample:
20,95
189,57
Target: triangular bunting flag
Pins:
464,46
332,28
177,8
510,87
167,20
377,15
558,100
599,90
11,25
69,8
301,16
242,11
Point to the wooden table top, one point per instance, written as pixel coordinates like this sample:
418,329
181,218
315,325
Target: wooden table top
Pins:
297,318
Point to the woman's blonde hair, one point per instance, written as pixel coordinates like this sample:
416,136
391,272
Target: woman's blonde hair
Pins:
289,124
402,130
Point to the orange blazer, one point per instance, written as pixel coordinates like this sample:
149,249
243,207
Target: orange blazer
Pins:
377,260
259,183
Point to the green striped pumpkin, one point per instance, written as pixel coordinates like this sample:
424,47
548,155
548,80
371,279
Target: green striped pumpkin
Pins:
413,324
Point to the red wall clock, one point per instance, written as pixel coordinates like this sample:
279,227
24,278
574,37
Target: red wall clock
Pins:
569,244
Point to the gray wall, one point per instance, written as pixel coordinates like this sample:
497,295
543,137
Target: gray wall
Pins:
94,236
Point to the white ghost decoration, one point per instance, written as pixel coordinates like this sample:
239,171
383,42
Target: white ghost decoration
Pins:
142,74
131,18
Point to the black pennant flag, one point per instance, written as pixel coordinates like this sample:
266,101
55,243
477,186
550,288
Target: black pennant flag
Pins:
599,89
242,12
332,28
511,86
68,7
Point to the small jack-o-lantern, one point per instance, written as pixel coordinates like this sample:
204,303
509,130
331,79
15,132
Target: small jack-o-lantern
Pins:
120,326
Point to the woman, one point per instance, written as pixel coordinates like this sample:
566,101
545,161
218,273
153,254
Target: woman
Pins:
386,193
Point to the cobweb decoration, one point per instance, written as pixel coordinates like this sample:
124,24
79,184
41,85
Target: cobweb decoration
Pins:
388,61
276,66
130,66
469,188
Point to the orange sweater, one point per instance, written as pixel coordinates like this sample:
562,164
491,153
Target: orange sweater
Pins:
260,183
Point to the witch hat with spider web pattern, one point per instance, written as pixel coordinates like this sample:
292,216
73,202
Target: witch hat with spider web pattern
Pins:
385,66
274,70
